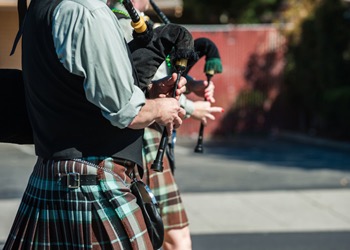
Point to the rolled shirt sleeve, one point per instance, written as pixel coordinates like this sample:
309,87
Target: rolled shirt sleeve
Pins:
89,42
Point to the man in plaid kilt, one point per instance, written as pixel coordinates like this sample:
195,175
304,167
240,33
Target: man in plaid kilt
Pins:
87,113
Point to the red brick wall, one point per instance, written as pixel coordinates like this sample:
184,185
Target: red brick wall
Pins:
236,44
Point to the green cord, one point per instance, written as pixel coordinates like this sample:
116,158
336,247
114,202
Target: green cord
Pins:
115,10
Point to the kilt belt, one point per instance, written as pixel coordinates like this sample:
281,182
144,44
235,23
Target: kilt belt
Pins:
75,180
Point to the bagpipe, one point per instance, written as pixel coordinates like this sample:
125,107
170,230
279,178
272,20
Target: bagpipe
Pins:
150,51
159,13
203,47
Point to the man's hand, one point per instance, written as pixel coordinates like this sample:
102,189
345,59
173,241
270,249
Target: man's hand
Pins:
203,111
170,114
165,87
165,111
201,89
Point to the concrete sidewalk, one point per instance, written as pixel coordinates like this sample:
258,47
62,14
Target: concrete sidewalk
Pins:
249,212
270,211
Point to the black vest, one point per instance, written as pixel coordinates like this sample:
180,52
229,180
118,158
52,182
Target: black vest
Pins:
65,124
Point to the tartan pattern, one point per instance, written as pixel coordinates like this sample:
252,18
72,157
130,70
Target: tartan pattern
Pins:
103,216
162,184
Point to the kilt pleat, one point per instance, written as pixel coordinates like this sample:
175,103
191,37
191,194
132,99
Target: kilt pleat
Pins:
103,216
163,184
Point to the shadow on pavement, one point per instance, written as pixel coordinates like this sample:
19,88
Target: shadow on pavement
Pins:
275,152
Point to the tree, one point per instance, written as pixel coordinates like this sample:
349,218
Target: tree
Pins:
223,11
317,78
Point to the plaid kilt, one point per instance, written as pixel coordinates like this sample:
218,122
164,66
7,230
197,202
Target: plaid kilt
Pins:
163,184
102,216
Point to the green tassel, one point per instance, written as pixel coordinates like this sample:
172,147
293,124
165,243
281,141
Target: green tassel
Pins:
213,64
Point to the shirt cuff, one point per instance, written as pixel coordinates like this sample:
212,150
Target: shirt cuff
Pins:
126,115
187,105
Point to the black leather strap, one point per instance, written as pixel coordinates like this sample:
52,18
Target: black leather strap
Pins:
22,10
75,180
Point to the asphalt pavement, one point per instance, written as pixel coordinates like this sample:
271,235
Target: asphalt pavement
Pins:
272,192
245,193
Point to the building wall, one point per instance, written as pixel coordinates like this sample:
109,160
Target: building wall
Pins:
8,31
252,58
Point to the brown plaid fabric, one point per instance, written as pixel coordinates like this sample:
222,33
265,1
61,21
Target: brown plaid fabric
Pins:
163,184
102,216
